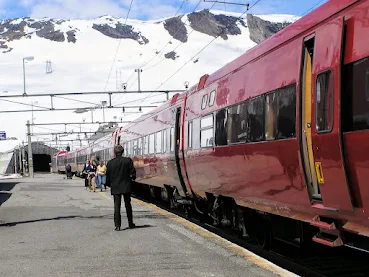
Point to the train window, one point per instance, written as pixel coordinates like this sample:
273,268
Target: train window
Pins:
324,102
146,145
356,96
165,141
190,127
212,98
134,148
221,128
271,109
204,101
206,131
255,120
159,142
172,139
152,144
237,123
286,118
139,147
128,150
125,148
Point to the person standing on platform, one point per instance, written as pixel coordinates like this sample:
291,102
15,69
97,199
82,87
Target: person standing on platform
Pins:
101,175
92,174
119,176
86,170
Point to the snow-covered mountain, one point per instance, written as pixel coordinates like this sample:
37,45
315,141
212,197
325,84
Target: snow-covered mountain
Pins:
82,52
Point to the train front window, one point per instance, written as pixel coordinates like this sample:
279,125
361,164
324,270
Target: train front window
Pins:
324,102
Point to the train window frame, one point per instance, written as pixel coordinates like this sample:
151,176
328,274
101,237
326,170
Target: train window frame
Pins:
331,75
212,98
165,133
204,101
206,128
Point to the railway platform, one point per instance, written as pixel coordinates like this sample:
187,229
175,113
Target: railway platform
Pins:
52,226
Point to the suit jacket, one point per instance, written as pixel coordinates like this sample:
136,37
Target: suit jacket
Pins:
120,173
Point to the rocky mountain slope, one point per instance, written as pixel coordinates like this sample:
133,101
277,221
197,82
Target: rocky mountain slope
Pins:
83,55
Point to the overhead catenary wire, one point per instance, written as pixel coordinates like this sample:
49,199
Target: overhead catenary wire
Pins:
158,52
118,46
316,5
201,50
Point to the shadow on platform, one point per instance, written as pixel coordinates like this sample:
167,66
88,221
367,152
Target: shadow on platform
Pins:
7,186
138,227
4,196
12,224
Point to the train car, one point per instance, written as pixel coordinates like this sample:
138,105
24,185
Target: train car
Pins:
273,144
103,148
59,161
152,142
71,159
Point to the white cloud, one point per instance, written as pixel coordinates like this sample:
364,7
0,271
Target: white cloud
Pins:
76,9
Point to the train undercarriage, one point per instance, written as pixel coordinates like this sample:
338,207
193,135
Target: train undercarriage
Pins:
263,229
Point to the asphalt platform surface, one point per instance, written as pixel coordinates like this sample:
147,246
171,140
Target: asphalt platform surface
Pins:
51,226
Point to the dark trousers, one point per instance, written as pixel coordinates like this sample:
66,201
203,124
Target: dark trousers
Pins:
117,204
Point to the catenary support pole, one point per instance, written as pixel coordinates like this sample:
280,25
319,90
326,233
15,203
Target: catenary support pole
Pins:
30,158
23,158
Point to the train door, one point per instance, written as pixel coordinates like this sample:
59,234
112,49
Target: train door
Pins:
178,152
321,117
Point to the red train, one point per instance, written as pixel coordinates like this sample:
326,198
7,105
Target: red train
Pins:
274,143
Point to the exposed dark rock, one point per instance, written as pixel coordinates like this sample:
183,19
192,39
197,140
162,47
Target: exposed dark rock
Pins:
13,31
176,28
261,29
8,50
214,25
170,55
47,31
3,45
71,36
195,61
120,31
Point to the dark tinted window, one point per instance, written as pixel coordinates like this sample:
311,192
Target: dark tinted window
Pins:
355,104
271,111
324,101
255,119
286,119
221,128
237,123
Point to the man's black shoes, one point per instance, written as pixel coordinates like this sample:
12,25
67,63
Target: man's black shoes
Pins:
132,226
117,228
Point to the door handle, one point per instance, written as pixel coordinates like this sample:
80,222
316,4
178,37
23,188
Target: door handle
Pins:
308,125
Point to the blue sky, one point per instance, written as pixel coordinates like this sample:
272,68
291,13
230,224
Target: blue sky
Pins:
141,9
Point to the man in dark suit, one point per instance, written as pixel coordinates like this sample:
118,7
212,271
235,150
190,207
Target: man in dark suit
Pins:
119,176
